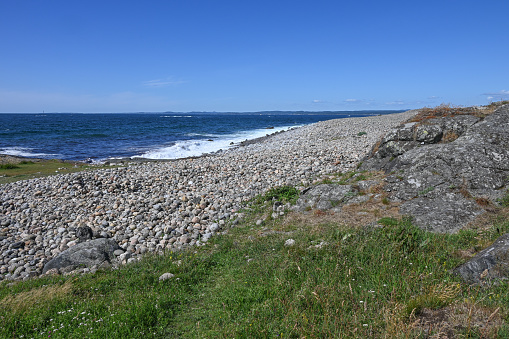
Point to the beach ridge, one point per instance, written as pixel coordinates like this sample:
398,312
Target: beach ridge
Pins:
158,206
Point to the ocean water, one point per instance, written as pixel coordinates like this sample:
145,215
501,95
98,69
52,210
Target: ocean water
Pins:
97,137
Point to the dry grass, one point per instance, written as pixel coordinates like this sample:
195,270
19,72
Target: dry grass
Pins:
376,147
18,303
447,110
483,201
398,324
449,136
459,320
494,106
356,215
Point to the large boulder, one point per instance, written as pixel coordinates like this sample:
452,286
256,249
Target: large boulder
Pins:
324,197
445,171
85,254
490,264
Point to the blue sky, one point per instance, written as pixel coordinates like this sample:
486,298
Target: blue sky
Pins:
195,55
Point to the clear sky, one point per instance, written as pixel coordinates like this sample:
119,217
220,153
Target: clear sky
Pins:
197,55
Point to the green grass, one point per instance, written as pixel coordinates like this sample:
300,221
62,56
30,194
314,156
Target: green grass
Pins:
29,169
7,166
359,283
282,194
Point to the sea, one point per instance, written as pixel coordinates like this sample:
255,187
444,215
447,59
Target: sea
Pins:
97,137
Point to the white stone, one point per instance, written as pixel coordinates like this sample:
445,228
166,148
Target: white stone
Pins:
289,242
166,276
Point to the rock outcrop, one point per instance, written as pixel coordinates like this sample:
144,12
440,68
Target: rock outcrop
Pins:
324,197
491,264
85,254
445,171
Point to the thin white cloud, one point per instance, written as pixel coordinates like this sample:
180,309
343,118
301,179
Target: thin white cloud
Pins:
156,83
317,101
500,95
397,102
352,100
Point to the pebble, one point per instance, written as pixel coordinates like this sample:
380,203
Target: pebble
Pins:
166,276
171,205
289,243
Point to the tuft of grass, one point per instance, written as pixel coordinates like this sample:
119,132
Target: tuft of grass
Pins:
283,194
20,302
436,297
426,191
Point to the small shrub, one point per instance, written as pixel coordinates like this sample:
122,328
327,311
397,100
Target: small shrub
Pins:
388,221
8,166
283,193
361,134
450,136
482,201
405,236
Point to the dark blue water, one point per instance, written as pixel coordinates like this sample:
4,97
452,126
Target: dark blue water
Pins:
71,136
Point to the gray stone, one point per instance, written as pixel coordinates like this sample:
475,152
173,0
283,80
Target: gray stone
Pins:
86,254
490,264
18,244
124,257
118,252
84,233
206,237
324,197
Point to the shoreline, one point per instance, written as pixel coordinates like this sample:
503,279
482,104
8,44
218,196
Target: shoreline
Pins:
155,206
10,158
14,159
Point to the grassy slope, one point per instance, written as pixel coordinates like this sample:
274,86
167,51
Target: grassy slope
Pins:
360,283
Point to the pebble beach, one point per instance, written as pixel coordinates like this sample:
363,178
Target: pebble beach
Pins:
167,206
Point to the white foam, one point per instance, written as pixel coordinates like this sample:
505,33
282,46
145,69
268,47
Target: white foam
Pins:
24,152
193,148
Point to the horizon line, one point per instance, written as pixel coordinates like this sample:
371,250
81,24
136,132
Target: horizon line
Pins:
218,112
